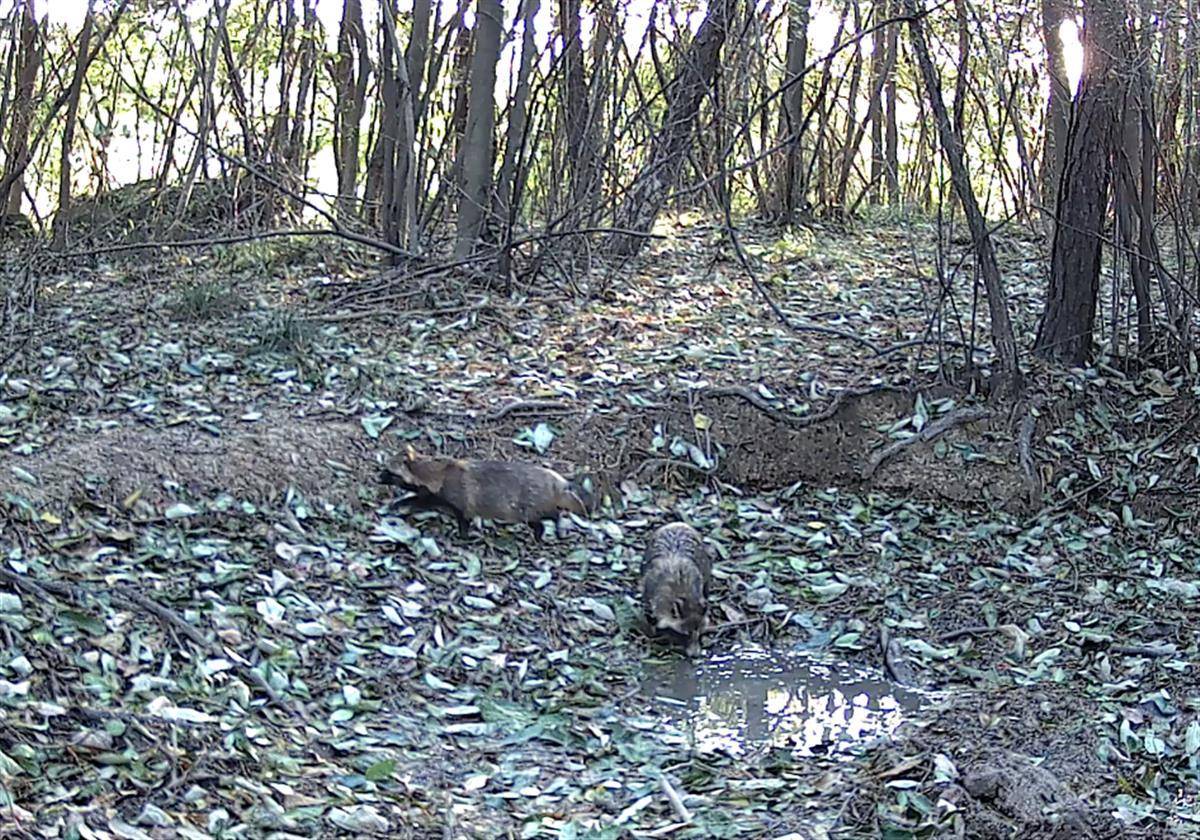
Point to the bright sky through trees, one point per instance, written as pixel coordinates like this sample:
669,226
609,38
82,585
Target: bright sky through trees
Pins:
124,152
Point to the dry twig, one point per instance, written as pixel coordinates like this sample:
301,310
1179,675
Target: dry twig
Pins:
958,417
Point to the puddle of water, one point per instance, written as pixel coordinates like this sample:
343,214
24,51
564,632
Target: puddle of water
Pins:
750,699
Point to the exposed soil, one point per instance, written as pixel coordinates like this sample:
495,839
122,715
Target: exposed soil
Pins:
322,458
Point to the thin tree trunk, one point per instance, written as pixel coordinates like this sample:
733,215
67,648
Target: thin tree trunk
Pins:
891,131
1058,106
478,146
1168,131
29,63
581,148
653,184
398,181
878,80
199,159
852,138
351,71
415,55
793,190
68,137
964,72
985,257
297,136
1134,189
507,188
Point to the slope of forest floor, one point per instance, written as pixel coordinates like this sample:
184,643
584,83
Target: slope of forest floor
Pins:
213,623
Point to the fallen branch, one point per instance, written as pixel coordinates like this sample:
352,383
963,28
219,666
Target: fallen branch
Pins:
836,403
753,397
364,314
800,421
1152,651
1012,630
955,418
677,805
729,625
527,405
163,614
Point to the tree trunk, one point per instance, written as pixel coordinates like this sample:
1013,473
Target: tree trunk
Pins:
398,181
1065,332
985,257
509,185
1134,190
793,190
29,51
1172,80
199,162
478,144
654,183
581,147
415,55
964,72
878,80
891,132
351,71
68,137
297,158
852,138
1058,105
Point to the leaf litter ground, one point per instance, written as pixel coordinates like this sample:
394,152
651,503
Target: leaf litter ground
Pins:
213,624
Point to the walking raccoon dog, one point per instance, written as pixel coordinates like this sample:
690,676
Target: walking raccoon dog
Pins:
503,491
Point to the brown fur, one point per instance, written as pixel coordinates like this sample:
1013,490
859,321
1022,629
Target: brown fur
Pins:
675,577
503,491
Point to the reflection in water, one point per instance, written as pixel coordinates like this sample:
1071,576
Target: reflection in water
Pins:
752,698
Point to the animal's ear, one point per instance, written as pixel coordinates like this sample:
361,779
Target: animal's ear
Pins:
677,609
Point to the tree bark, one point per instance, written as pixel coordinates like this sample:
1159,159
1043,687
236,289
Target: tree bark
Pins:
1058,105
478,144
415,55
693,80
29,52
1168,132
511,179
877,84
581,146
891,132
793,190
1065,332
351,70
852,138
68,138
952,149
1136,164
398,182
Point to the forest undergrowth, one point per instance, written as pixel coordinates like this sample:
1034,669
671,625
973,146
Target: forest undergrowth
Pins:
213,623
